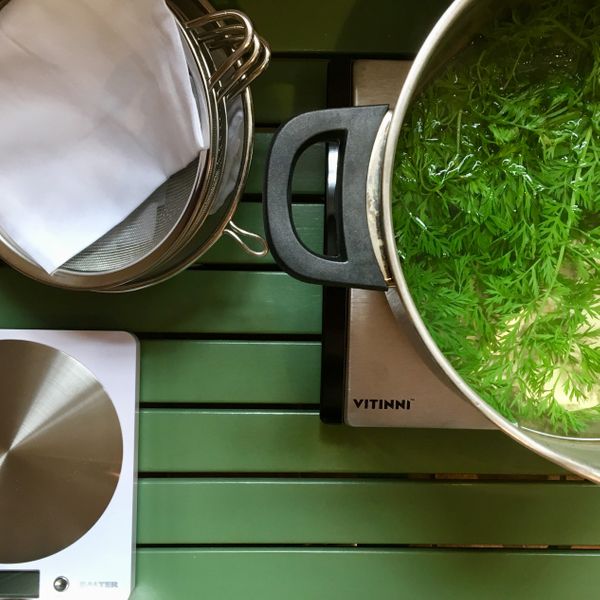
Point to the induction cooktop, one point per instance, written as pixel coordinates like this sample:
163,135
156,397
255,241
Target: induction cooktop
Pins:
375,373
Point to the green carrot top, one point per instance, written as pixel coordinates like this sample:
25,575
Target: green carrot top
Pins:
496,210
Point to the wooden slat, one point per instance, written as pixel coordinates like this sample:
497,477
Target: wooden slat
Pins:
308,221
246,511
265,373
339,26
287,88
309,177
338,574
296,442
195,301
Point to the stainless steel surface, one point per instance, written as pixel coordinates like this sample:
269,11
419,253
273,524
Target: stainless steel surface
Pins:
61,451
379,81
224,56
450,34
391,383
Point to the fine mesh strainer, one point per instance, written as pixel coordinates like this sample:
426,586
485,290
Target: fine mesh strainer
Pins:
186,215
145,229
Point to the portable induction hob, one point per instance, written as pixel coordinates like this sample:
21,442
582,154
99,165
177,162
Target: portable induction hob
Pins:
375,373
68,404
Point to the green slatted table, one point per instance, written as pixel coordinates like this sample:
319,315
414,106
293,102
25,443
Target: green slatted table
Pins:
243,493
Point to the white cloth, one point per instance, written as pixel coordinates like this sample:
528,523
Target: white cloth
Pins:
96,112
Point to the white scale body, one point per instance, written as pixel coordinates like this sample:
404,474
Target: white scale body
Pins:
100,565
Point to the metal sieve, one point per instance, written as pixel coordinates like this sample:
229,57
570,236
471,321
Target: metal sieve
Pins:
224,56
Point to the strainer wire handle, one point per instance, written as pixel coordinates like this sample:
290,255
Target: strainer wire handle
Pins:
237,233
249,70
232,31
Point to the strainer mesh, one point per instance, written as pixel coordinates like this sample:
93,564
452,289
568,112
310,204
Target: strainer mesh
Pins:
139,234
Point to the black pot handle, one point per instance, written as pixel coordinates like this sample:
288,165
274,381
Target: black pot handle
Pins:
355,130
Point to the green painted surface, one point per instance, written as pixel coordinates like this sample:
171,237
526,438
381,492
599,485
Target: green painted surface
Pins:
297,442
343,26
284,511
287,88
309,177
309,223
195,301
219,372
346,574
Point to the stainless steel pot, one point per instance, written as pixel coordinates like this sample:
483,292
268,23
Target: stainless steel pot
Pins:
196,206
368,138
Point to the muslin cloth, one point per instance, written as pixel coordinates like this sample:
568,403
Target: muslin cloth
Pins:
96,112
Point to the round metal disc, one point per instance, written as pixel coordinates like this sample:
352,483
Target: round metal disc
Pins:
61,451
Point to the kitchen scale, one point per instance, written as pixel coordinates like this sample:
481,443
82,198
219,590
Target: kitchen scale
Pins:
68,409
376,373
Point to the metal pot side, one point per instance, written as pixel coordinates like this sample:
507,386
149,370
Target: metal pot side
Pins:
458,24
